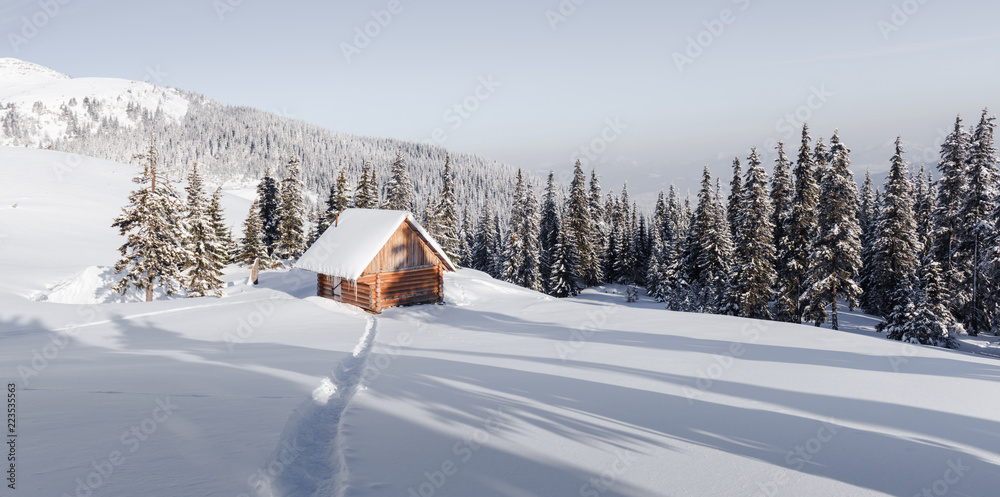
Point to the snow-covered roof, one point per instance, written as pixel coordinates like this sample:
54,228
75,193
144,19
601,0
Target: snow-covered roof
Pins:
345,250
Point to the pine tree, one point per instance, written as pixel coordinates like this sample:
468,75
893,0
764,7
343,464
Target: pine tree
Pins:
782,193
522,250
252,244
399,190
338,201
153,251
821,160
924,318
291,211
868,222
267,192
563,281
223,233
643,243
464,238
895,260
926,203
800,227
735,195
976,233
205,250
708,255
366,194
599,226
951,194
484,251
445,213
782,200
754,243
497,248
548,231
836,255
579,226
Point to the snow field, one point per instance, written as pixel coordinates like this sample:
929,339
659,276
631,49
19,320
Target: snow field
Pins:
498,392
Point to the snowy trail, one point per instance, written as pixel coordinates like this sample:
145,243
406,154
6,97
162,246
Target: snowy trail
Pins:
310,452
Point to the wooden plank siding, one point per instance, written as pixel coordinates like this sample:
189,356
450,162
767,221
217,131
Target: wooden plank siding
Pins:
406,271
405,249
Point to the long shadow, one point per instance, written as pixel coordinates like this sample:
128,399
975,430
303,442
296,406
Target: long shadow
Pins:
506,324
642,421
871,412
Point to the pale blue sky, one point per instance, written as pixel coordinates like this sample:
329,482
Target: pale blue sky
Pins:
559,87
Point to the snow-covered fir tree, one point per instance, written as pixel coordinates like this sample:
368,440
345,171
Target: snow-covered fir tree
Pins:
252,247
868,222
599,227
924,318
205,251
563,282
782,200
522,250
339,200
655,274
399,190
222,230
267,194
836,253
708,255
735,195
548,231
643,247
782,193
754,244
579,225
951,188
800,229
976,234
366,194
152,223
925,196
895,252
465,237
484,251
445,213
497,253
821,160
291,214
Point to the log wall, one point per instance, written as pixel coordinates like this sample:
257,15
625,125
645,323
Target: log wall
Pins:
406,271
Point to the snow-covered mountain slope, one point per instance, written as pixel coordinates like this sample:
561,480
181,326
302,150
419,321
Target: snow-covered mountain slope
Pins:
39,106
112,118
270,391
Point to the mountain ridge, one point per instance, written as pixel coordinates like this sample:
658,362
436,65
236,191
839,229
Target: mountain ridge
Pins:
111,118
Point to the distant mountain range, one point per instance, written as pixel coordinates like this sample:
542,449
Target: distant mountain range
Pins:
111,118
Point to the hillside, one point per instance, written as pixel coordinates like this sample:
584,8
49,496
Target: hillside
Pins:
111,118
500,391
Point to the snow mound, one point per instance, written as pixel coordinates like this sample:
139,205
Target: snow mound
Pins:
93,285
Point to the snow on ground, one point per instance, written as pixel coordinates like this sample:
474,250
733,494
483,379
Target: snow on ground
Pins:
499,392
23,84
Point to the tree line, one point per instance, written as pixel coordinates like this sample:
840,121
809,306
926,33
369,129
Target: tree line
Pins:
792,246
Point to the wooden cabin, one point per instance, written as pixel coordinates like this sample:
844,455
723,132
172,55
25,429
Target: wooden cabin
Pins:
376,259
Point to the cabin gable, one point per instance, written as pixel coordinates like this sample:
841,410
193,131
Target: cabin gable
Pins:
405,249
